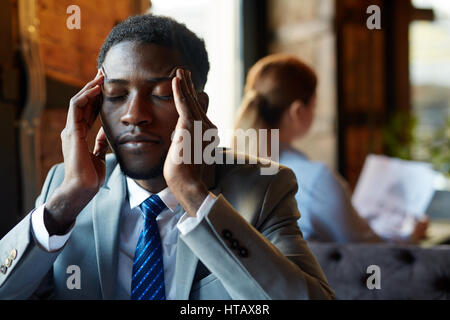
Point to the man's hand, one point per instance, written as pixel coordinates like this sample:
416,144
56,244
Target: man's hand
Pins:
84,171
185,179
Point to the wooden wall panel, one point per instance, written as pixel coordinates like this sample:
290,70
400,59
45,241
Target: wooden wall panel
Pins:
363,63
373,78
69,58
70,55
360,141
362,92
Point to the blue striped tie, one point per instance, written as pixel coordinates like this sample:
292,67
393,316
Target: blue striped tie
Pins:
147,282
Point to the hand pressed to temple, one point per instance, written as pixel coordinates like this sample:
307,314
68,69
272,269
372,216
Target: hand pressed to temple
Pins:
84,171
184,178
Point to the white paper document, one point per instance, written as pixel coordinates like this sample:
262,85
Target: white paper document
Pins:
391,193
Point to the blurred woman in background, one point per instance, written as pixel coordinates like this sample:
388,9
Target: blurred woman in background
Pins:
280,93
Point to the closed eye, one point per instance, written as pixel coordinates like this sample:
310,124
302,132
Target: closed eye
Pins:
164,98
124,97
115,99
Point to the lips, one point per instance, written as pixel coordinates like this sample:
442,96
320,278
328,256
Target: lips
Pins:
138,139
139,143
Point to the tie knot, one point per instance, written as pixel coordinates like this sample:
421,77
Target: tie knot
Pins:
152,206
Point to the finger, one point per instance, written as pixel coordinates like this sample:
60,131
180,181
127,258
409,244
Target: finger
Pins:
93,108
191,89
198,106
191,96
101,144
185,87
98,80
93,111
191,85
180,99
77,111
193,93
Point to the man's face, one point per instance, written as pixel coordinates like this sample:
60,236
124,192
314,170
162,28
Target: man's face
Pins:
138,111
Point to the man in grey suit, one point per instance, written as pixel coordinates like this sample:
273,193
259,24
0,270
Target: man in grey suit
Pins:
223,231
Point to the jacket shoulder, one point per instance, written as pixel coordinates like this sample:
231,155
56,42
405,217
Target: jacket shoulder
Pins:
251,169
245,185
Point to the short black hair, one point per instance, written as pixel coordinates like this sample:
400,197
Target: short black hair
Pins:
164,31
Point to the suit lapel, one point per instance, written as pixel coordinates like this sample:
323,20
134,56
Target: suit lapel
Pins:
186,265
106,222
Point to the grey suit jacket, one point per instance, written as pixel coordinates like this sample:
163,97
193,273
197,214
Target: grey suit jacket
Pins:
248,246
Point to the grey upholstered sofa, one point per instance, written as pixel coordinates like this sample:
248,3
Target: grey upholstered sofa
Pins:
406,272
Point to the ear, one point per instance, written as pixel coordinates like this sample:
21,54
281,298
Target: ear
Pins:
296,110
203,98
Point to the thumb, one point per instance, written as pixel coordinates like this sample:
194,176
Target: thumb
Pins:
101,144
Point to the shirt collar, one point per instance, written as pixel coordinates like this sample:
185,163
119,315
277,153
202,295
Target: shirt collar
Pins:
137,195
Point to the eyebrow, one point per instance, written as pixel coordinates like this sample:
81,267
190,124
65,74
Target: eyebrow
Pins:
153,80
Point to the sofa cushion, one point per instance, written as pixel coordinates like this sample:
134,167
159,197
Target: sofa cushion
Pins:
406,272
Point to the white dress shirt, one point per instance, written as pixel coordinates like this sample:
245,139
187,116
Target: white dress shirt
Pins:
132,224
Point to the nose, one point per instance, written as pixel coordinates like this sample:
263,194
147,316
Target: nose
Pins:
137,112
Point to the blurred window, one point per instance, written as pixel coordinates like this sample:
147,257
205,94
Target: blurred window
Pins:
430,80
218,23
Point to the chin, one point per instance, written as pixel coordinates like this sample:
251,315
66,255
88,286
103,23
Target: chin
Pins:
140,174
140,169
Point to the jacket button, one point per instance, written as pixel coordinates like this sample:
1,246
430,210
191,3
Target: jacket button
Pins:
234,243
13,254
243,252
227,234
8,262
3,269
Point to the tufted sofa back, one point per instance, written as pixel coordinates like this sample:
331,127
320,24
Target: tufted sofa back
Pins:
405,272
